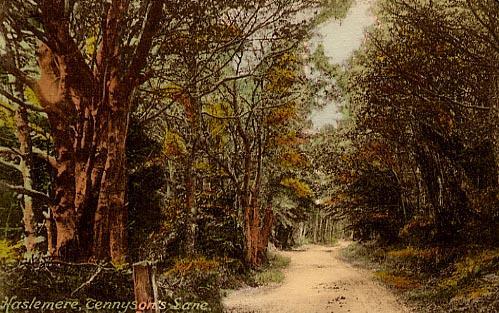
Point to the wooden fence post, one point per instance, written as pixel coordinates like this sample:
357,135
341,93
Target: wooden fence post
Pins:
144,286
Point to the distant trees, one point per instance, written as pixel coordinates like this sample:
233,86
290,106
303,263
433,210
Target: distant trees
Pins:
424,94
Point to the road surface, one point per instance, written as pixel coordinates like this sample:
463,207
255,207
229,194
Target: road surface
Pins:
317,281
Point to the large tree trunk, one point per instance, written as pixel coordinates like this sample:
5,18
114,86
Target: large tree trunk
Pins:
257,234
63,210
89,133
88,107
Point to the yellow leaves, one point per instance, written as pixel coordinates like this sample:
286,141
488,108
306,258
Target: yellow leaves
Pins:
292,158
283,74
301,189
90,43
475,294
8,251
217,124
289,139
202,166
280,80
282,114
174,145
172,90
120,264
31,97
6,117
427,254
186,266
397,281
218,109
472,265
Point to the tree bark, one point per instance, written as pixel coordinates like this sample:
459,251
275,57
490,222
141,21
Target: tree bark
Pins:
26,165
89,131
256,231
145,289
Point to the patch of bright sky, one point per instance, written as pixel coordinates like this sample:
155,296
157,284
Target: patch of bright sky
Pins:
340,39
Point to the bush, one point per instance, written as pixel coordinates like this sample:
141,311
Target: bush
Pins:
436,279
192,281
52,282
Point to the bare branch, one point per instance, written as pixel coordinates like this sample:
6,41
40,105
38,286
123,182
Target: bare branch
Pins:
45,156
9,150
88,282
10,68
6,107
151,26
21,103
10,165
28,192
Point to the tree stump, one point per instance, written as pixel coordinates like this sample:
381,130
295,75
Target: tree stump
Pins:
146,292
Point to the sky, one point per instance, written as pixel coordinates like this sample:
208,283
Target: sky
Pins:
340,38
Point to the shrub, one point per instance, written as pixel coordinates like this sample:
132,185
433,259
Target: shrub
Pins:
192,280
52,281
9,253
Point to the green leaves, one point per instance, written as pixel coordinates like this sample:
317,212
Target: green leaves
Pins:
333,9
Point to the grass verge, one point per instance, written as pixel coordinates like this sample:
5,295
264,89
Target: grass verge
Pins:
434,279
272,272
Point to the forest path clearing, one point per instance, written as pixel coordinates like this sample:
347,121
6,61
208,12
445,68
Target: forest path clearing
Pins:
317,281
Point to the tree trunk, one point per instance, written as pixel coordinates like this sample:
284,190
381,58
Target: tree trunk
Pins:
495,119
63,211
26,164
257,232
145,288
191,231
111,214
89,132
88,109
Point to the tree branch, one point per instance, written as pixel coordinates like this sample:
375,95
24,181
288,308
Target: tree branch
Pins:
28,192
9,150
10,68
60,42
21,103
45,156
112,15
88,282
10,165
151,26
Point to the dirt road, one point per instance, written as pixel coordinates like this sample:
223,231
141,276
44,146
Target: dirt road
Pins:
317,281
